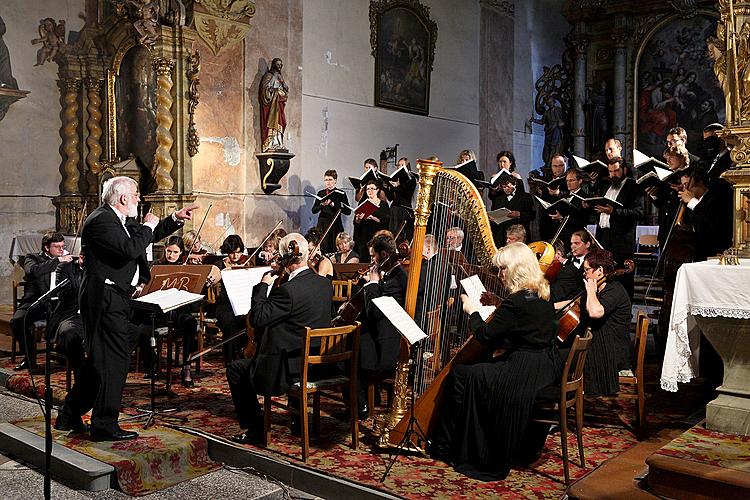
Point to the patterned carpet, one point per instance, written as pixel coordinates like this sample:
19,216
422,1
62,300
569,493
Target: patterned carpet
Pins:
208,407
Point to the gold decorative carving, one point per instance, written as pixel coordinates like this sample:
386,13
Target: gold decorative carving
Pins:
93,124
71,175
223,23
163,162
192,73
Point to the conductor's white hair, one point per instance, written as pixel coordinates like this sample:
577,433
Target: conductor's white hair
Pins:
115,187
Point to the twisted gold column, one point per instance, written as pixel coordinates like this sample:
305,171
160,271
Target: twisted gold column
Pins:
71,156
93,124
163,162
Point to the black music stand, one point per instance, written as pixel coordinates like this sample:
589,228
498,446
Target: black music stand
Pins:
413,428
162,279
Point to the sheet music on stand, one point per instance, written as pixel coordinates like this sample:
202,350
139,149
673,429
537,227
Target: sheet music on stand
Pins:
474,288
400,319
166,300
239,284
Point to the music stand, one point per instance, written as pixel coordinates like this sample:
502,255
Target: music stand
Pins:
164,278
413,428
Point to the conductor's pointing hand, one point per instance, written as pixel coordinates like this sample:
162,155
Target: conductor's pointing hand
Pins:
186,213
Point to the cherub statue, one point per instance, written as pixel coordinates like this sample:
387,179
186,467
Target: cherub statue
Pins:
146,15
51,36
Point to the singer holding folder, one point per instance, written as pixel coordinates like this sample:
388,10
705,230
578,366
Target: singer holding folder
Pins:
113,246
328,201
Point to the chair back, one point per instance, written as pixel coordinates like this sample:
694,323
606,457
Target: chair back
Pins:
572,377
337,344
17,286
639,349
342,290
650,241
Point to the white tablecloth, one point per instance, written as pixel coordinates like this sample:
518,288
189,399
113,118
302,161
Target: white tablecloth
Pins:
701,289
639,230
32,243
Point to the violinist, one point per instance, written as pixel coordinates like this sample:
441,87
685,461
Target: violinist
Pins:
233,248
334,200
317,261
608,314
194,247
366,227
569,281
346,253
267,254
380,341
710,213
485,426
301,301
182,318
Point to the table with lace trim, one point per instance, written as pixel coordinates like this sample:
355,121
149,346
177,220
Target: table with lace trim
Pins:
714,300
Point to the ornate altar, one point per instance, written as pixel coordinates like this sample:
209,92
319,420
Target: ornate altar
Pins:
129,88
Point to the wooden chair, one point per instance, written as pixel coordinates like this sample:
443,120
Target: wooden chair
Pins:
16,300
646,253
342,291
337,345
559,398
636,378
39,326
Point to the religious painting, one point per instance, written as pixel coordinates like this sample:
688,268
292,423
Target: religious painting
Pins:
135,92
676,85
403,44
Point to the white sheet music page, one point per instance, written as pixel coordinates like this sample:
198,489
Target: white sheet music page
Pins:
474,287
399,319
239,285
171,298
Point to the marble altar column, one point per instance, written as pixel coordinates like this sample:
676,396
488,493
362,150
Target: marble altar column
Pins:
580,44
163,162
496,65
620,98
70,89
93,140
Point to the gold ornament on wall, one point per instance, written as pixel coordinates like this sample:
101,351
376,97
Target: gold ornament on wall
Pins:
192,73
223,23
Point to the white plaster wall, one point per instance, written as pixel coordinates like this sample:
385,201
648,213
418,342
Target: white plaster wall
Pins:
539,32
340,125
29,133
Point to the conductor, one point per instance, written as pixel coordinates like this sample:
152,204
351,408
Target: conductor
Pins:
113,247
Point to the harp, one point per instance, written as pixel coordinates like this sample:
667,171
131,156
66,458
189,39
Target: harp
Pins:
447,201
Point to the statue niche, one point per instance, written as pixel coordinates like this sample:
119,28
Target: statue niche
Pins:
135,91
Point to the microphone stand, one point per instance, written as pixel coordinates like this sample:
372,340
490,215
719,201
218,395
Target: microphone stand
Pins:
47,388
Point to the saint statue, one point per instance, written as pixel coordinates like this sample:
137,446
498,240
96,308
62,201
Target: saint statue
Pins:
6,75
553,120
272,94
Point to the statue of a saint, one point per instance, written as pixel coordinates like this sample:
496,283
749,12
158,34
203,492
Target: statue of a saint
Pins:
272,95
553,120
6,75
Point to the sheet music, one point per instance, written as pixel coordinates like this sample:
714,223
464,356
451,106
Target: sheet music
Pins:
474,288
239,285
582,162
170,299
639,158
399,319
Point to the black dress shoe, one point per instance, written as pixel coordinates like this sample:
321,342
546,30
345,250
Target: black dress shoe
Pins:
363,411
118,435
295,427
247,437
23,365
73,425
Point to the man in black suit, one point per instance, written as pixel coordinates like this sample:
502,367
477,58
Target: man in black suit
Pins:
615,228
113,246
304,300
711,213
65,323
580,219
519,203
569,281
39,271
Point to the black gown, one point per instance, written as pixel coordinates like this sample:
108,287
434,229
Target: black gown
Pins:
340,201
485,425
366,229
610,348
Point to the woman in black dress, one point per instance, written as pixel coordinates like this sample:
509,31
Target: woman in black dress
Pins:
346,253
366,227
608,314
485,426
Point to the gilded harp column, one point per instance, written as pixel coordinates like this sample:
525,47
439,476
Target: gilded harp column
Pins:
93,140
163,162
71,175
427,171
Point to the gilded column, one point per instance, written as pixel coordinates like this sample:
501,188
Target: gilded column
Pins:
93,124
71,175
580,45
620,60
163,162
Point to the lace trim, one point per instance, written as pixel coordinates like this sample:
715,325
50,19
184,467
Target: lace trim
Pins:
713,312
682,345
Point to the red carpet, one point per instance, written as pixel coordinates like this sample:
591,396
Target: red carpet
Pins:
208,407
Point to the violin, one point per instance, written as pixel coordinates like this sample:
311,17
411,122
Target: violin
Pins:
243,261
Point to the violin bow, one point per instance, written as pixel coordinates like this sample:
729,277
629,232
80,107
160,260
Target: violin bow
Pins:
257,249
198,234
325,233
559,230
213,245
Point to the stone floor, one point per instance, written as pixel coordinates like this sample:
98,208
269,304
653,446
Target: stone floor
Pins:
18,481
